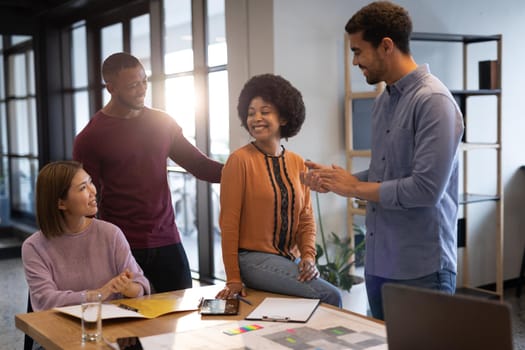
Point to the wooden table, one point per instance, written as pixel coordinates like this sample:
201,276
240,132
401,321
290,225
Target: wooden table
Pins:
55,330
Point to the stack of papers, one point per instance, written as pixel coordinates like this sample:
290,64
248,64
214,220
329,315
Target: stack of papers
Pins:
149,307
108,311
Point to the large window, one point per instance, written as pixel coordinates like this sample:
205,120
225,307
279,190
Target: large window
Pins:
218,109
184,50
18,122
141,48
187,69
5,209
182,46
79,76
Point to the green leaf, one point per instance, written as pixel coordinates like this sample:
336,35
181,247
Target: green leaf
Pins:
320,252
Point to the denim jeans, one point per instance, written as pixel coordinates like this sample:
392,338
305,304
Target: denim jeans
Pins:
277,274
442,280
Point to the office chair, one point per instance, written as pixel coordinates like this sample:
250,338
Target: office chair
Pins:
28,341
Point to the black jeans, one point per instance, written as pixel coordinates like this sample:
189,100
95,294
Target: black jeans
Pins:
167,268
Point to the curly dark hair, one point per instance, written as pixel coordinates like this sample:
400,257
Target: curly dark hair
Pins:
382,19
281,93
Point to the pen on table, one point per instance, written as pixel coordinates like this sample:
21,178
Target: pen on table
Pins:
243,299
127,307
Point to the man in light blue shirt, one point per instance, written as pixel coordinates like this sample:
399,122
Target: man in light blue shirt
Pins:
412,183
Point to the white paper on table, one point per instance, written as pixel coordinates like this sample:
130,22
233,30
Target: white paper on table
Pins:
108,311
326,329
284,309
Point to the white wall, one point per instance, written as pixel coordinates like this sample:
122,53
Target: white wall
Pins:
249,32
307,49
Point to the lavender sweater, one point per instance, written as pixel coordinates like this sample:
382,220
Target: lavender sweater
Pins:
59,269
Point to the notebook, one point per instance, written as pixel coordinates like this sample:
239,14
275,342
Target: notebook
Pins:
424,319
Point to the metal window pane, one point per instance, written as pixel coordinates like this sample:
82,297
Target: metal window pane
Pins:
140,41
18,142
17,85
184,199
79,57
141,47
219,145
216,22
81,108
30,68
178,54
180,103
218,265
17,39
3,129
32,126
112,41
5,206
219,115
2,76
23,173
22,127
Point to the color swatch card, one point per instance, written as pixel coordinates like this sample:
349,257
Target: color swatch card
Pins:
243,329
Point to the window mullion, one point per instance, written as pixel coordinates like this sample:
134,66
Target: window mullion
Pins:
204,212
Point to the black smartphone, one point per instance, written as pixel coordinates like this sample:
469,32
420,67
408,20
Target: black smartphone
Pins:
219,307
129,343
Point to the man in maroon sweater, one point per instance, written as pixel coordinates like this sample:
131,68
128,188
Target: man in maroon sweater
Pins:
124,148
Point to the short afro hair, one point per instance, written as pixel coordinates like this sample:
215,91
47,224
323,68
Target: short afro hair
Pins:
281,93
116,62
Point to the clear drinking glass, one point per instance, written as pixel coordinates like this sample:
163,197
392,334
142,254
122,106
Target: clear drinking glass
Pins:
91,316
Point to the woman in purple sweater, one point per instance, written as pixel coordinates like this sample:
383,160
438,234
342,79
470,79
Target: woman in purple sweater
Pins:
73,251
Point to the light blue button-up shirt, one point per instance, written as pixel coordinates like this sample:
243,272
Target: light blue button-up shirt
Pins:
416,130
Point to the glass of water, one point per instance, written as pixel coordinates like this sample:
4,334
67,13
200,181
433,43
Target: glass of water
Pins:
91,316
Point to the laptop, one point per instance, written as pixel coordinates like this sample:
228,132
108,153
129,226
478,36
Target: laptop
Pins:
422,319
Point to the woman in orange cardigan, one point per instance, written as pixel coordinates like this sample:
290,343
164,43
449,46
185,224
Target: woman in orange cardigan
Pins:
267,224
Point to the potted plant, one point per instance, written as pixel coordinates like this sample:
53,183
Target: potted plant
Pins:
336,269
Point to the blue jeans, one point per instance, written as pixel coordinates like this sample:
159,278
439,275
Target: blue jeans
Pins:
277,274
442,280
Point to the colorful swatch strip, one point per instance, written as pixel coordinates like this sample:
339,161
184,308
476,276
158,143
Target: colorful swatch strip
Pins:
243,329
